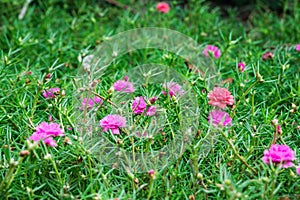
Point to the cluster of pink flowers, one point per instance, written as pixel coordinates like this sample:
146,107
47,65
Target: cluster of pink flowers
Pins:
51,93
89,103
220,97
46,132
113,122
210,49
298,47
163,7
281,155
173,88
139,106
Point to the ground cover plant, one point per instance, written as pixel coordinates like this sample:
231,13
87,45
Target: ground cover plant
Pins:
151,124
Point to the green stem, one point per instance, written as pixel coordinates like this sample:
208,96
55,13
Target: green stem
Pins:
243,96
241,158
150,189
54,166
9,177
281,100
91,173
35,100
56,171
274,183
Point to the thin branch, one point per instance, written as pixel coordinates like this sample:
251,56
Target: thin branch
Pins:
241,158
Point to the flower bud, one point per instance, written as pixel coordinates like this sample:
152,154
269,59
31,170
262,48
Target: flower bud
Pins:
274,122
200,176
47,156
278,129
24,153
227,182
48,76
265,179
191,197
13,163
151,173
31,145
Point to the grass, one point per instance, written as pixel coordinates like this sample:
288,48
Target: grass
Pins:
54,36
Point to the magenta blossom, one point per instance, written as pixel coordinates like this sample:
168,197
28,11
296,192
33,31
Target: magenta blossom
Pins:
123,86
139,105
241,66
89,103
217,117
298,170
113,122
46,132
163,7
214,50
298,47
281,155
151,172
173,88
50,93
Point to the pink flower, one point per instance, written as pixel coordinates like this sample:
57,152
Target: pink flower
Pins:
123,86
46,132
151,111
268,55
89,103
50,93
298,170
173,88
52,129
113,122
220,97
241,66
281,155
139,105
163,7
298,47
50,142
213,50
218,117
151,172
